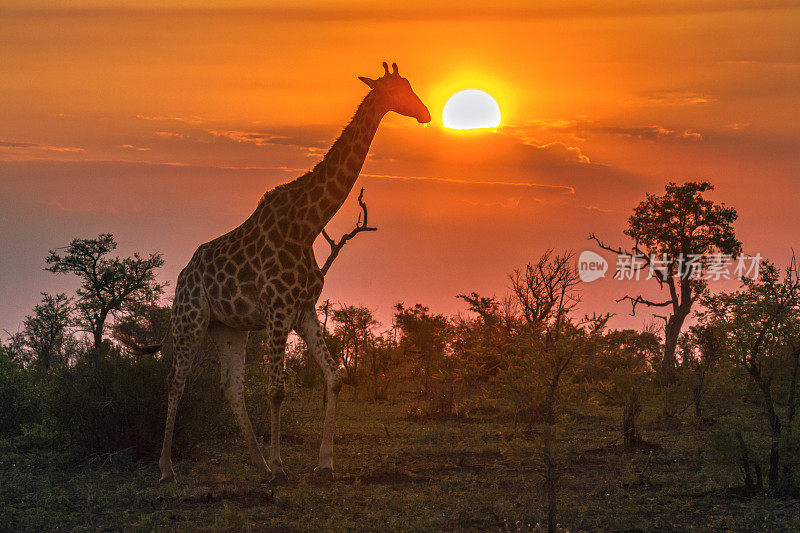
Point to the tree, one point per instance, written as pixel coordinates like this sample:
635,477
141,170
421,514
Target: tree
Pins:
46,330
701,351
546,294
145,324
425,336
760,333
675,236
108,284
353,325
621,371
549,344
484,342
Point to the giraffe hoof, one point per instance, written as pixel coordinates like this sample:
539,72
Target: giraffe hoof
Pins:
279,479
324,474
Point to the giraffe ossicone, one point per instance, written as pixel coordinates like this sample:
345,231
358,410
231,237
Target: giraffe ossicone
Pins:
263,275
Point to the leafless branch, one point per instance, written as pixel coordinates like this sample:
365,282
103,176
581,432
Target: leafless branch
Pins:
636,252
639,300
336,247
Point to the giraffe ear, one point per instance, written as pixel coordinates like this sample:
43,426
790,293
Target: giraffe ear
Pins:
370,83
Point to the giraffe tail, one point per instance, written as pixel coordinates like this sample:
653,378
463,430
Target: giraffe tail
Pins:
137,349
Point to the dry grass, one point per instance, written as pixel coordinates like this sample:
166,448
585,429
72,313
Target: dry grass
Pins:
465,475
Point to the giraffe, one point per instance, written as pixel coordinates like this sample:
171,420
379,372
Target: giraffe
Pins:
263,275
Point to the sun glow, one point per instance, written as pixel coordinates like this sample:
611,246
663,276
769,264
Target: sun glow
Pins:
471,109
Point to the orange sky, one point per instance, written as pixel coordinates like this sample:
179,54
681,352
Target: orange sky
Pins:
164,127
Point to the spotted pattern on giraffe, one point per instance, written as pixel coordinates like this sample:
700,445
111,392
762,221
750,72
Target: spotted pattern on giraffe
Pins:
263,275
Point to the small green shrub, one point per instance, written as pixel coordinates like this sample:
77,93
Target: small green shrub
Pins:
108,402
20,401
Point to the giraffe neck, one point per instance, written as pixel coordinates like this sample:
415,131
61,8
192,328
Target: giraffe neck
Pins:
329,183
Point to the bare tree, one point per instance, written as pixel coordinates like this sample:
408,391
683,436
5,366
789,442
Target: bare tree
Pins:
552,341
336,246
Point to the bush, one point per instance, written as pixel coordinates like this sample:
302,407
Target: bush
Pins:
448,398
108,402
20,402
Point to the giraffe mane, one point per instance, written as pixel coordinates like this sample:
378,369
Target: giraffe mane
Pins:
267,195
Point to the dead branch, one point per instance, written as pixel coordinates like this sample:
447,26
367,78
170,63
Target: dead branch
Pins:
637,252
336,246
640,300
647,262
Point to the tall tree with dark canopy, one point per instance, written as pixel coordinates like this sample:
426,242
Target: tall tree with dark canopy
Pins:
46,332
675,236
108,284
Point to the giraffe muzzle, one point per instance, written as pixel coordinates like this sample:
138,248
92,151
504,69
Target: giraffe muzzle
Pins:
424,117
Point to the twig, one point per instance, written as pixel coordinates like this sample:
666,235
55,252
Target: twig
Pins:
336,247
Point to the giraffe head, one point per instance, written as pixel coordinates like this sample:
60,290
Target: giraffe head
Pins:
395,94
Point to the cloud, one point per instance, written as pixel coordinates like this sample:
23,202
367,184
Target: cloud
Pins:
315,140
174,134
563,189
511,203
8,144
259,139
600,209
677,98
24,146
562,151
583,129
738,126
312,146
162,118
647,133
135,148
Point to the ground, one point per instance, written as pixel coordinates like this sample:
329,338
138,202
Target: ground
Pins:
394,473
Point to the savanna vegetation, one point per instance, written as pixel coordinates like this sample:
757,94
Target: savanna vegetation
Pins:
521,413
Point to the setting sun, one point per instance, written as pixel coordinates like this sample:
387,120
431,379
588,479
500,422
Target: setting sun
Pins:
471,109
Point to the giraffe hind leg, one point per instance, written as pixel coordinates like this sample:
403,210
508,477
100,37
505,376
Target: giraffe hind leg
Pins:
275,362
189,321
186,339
230,344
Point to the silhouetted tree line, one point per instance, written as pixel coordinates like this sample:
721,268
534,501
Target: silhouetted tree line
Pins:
528,356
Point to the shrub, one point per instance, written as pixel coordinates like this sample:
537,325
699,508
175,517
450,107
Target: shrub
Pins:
19,399
109,402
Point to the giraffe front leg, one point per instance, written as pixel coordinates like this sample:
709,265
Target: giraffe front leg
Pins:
310,330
